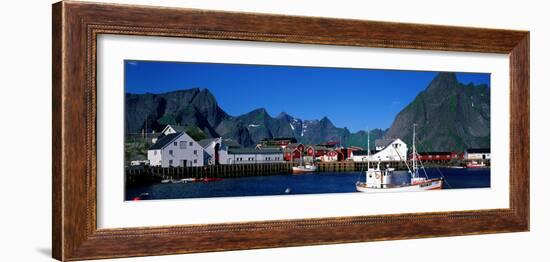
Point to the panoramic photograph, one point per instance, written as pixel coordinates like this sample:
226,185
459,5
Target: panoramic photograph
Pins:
201,130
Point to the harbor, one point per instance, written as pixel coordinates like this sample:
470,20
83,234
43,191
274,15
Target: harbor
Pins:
287,184
182,140
144,175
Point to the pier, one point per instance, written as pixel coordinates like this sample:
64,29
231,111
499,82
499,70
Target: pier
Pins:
146,175
150,175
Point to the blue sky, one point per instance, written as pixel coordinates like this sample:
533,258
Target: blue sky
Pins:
354,98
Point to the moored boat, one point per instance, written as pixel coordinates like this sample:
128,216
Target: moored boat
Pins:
188,180
304,169
379,181
475,164
209,179
307,168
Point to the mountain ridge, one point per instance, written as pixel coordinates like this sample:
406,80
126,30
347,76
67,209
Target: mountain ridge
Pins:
444,119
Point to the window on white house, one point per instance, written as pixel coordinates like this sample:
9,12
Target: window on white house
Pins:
195,161
195,152
176,143
170,162
171,153
155,152
183,144
190,143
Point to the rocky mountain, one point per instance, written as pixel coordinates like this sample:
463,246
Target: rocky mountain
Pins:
198,108
191,107
360,138
449,116
259,125
317,131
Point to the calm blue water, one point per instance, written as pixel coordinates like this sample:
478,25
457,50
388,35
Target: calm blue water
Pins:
316,183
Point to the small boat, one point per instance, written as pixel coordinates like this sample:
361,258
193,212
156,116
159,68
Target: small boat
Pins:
142,196
188,180
209,179
304,169
164,181
475,164
379,181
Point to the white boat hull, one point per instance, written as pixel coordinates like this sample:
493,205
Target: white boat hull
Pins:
303,169
432,184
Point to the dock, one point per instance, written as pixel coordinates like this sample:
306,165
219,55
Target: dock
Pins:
150,175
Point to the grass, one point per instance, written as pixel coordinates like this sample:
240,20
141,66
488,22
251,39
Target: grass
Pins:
135,149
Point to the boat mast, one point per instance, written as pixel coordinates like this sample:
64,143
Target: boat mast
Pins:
414,150
368,149
313,157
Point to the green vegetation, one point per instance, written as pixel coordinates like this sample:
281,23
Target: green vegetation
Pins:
167,119
195,133
135,148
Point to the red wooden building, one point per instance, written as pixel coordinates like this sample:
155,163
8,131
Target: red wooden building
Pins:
318,150
438,156
292,154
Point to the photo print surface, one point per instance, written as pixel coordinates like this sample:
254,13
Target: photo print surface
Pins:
198,130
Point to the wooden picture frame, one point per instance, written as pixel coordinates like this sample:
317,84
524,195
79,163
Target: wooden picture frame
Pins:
76,26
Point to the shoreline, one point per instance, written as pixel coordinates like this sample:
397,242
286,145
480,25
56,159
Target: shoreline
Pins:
149,175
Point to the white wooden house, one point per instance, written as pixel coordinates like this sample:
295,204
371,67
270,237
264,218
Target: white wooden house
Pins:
168,129
386,150
477,154
176,150
215,151
254,155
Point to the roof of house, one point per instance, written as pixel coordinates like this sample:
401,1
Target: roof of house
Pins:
383,142
178,128
250,151
478,150
205,142
317,147
291,149
294,144
165,140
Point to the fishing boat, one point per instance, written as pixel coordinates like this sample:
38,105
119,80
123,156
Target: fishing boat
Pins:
378,180
302,169
188,180
307,168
